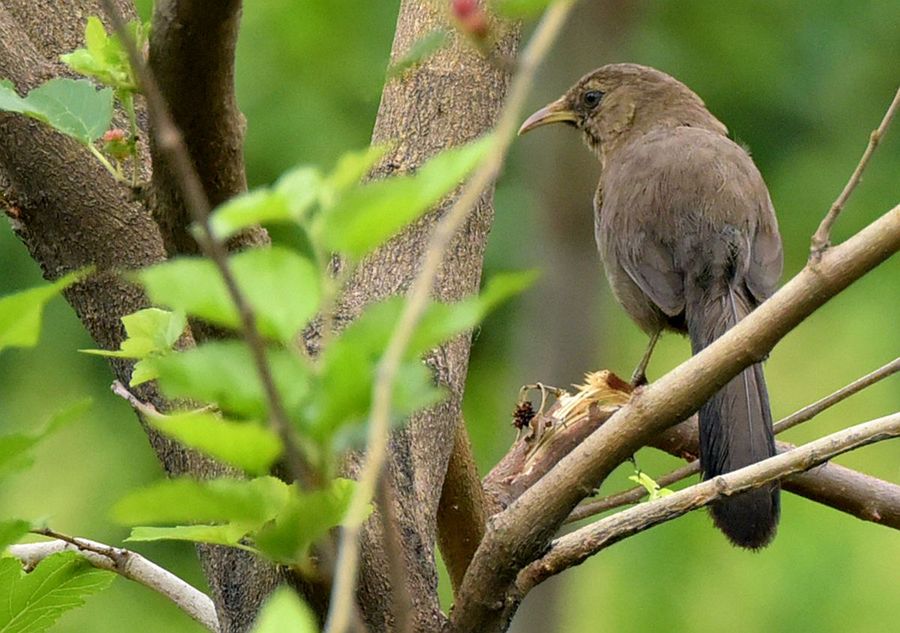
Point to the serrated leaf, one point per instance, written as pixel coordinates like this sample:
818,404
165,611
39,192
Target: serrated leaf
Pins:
15,448
305,519
421,50
280,285
222,373
520,9
367,216
229,534
11,531
73,107
183,500
148,331
32,602
246,445
284,611
21,312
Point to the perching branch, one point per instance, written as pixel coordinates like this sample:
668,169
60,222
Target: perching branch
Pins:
635,494
518,535
577,546
379,422
171,147
822,237
127,564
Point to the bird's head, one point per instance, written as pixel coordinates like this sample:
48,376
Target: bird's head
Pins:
616,102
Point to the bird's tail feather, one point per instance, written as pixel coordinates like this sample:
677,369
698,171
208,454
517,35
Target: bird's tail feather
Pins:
736,430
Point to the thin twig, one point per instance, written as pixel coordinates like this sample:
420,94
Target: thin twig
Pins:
822,237
810,411
417,301
633,495
577,546
127,564
171,144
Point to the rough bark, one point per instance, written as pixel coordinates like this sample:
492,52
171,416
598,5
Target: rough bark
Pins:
192,58
70,213
451,98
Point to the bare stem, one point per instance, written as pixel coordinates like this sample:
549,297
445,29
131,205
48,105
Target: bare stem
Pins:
810,411
172,146
417,301
577,546
822,237
127,564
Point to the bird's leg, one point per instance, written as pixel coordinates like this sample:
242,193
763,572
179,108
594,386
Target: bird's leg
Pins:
639,378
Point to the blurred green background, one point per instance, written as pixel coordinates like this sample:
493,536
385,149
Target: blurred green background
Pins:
802,84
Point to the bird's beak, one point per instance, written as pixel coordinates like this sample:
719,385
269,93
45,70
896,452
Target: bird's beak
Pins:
556,112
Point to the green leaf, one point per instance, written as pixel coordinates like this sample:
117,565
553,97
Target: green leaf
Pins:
222,373
10,101
247,502
15,447
444,321
649,484
281,286
95,37
248,209
352,166
11,531
104,57
368,215
32,602
284,611
306,518
21,312
421,50
300,188
229,534
343,391
520,9
73,107
246,445
150,333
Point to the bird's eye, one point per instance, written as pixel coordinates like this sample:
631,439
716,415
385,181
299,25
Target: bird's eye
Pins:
592,98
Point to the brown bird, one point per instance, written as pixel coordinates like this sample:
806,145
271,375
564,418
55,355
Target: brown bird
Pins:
690,243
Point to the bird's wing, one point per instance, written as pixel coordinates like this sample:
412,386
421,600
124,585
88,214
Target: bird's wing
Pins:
650,264
766,258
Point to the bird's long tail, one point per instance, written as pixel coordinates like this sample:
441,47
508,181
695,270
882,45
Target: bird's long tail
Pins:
736,429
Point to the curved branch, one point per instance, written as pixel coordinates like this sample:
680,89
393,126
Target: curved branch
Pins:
130,565
575,547
192,47
519,534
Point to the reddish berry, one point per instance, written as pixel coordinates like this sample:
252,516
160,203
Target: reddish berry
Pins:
114,134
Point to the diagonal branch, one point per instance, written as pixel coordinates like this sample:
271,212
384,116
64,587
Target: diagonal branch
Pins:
127,564
518,535
575,547
822,237
635,494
